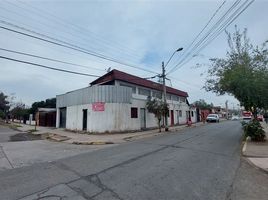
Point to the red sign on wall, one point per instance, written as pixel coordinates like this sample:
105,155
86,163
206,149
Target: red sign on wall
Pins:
98,106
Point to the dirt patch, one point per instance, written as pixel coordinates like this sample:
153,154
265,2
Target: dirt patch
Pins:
24,137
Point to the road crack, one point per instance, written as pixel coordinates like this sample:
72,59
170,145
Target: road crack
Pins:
3,153
97,181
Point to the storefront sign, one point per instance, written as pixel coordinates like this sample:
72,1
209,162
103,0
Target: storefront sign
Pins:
98,106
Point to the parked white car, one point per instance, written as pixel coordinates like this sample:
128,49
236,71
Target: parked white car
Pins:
235,117
213,118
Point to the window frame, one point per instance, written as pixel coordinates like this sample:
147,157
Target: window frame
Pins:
133,112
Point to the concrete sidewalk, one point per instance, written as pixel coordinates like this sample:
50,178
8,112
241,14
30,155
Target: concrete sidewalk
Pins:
61,135
257,152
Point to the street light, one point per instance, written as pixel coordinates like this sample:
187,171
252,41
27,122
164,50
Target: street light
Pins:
164,84
179,49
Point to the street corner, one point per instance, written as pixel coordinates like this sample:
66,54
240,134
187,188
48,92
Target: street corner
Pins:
261,163
92,142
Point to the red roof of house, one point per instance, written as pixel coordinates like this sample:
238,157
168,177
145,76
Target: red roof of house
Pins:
122,76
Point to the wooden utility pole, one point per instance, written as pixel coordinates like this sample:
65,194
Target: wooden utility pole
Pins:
164,93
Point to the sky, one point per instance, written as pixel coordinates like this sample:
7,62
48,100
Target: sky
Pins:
139,33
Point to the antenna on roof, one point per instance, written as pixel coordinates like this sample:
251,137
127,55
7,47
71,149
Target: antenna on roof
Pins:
108,70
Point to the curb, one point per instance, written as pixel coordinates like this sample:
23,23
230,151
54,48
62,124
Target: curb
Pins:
247,157
91,143
245,146
156,133
256,166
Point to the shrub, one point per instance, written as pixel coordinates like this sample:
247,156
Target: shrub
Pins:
2,114
254,130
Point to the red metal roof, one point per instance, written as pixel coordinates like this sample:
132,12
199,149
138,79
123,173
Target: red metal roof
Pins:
122,76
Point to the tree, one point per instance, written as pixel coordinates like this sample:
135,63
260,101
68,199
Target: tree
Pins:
158,108
19,111
243,73
4,105
202,104
48,103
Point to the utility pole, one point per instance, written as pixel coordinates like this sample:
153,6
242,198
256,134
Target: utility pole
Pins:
164,93
164,84
227,112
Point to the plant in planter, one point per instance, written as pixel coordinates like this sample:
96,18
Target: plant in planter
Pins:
254,130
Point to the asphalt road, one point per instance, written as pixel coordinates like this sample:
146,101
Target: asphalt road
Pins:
6,133
196,163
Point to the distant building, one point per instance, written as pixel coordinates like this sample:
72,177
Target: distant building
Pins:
46,117
117,102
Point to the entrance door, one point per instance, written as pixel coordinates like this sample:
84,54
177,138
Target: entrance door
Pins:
143,118
63,117
84,119
172,117
178,116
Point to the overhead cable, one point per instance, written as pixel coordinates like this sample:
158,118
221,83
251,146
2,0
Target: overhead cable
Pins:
65,44
50,59
47,67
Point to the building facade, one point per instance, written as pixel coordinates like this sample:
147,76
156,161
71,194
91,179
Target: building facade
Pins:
117,102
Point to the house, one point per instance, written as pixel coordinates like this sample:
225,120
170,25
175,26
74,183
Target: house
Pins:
117,102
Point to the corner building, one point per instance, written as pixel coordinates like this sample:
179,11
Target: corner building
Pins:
116,102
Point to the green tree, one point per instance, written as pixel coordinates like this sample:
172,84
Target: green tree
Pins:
202,104
158,108
48,103
4,105
243,73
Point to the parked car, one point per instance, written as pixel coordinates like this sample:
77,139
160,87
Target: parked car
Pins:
213,118
235,117
246,119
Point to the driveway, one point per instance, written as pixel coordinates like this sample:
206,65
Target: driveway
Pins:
14,154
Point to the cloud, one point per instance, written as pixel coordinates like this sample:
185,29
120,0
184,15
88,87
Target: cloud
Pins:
142,33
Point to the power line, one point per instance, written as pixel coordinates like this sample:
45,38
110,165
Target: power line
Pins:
196,37
67,45
63,70
222,28
47,67
80,36
64,22
216,33
50,59
219,30
61,50
209,32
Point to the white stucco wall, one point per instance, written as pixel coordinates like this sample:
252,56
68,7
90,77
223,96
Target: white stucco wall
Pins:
117,116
